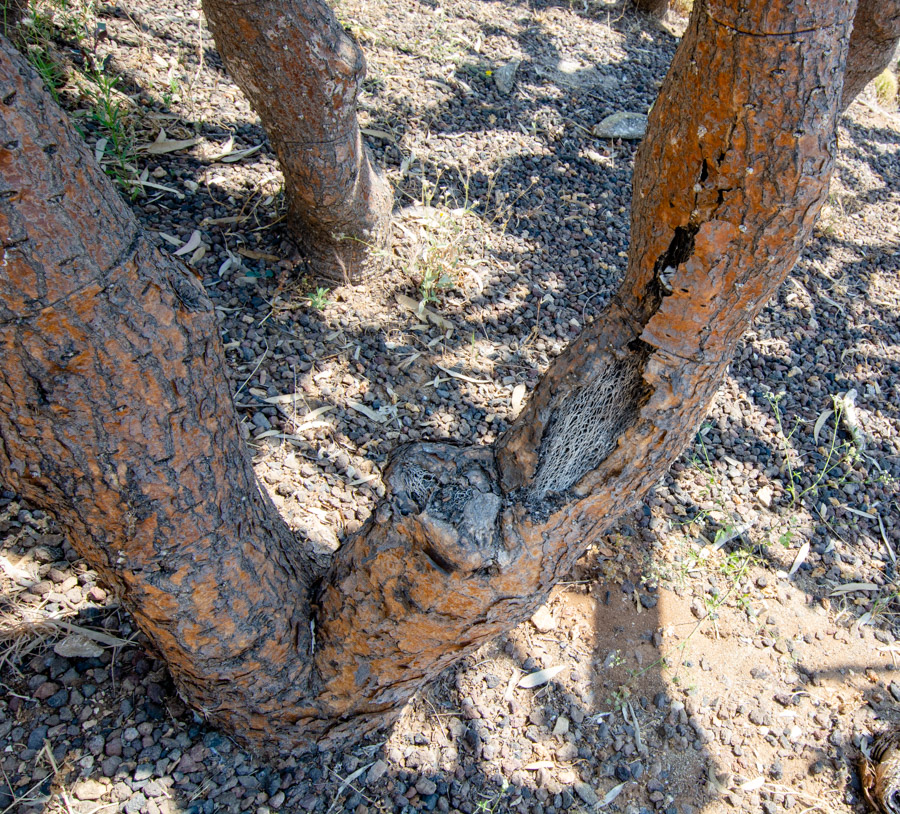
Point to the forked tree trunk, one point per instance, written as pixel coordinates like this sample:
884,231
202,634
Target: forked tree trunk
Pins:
873,45
116,416
302,73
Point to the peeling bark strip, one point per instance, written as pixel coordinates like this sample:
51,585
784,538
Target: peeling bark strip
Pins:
728,183
873,45
301,73
115,415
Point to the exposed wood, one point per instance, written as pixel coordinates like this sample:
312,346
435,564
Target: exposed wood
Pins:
873,45
302,73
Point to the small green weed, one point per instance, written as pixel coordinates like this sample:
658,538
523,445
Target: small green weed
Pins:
433,281
839,457
318,299
37,34
110,113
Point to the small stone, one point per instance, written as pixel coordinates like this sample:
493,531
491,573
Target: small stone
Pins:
76,646
764,496
376,771
586,793
505,76
45,690
623,773
426,786
261,421
543,620
567,752
143,772
58,700
561,726
135,803
96,594
153,789
89,790
624,125
36,738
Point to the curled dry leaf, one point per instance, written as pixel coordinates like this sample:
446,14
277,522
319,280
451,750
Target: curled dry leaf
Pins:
850,587
800,558
611,795
541,677
192,245
409,304
820,422
378,416
163,144
752,785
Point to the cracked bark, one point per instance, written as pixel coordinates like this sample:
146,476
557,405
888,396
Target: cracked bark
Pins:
144,466
116,416
873,45
728,183
302,73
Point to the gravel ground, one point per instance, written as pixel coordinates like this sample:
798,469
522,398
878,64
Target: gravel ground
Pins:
729,646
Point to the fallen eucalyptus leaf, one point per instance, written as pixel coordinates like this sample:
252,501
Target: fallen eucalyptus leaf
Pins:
800,558
541,677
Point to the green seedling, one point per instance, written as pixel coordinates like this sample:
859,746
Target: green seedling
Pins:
318,299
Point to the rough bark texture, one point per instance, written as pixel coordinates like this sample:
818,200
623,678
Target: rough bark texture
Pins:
873,45
114,412
302,73
116,415
728,183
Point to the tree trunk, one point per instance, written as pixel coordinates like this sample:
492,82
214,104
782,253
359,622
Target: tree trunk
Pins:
144,466
655,7
116,415
301,73
873,45
728,183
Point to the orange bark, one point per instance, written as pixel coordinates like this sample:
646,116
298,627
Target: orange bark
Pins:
302,73
728,183
116,415
114,411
